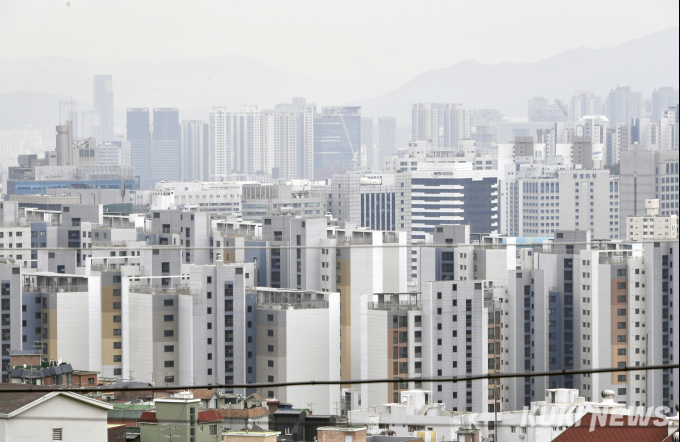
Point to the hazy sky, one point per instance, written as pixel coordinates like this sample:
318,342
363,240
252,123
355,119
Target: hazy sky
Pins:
369,44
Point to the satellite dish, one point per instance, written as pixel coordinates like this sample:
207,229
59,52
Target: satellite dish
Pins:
249,425
24,365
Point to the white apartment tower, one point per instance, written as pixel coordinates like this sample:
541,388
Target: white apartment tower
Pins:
248,154
288,140
221,155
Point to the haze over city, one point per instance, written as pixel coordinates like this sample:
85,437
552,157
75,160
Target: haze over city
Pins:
323,221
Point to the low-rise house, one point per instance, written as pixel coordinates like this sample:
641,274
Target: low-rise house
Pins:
51,415
180,418
299,425
236,410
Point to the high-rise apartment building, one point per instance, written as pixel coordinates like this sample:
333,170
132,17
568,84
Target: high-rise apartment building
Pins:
649,174
139,136
623,105
103,105
195,150
298,338
248,156
167,145
579,199
288,140
542,111
337,140
440,125
221,154
662,98
585,103
387,141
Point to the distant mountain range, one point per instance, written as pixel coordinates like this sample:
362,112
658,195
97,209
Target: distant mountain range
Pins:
644,64
31,88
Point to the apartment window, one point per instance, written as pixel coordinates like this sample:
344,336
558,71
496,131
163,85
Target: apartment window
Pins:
209,325
117,345
270,318
116,292
168,302
270,363
117,332
270,348
270,332
169,348
168,318
169,333
116,318
116,306
117,358
165,267
169,364
621,325
117,371
621,285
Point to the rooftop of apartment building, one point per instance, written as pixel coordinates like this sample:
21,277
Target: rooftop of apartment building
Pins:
409,301
283,299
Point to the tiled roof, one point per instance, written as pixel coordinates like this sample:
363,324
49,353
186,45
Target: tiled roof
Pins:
257,396
249,413
149,417
616,429
203,394
13,401
209,416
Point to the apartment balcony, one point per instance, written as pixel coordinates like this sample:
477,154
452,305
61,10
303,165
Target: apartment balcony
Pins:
395,306
293,306
176,290
55,289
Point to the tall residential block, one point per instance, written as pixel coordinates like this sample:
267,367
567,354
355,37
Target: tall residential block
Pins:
387,141
220,160
248,156
195,150
623,104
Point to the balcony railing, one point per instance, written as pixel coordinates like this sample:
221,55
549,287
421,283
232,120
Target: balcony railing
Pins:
293,305
395,306
55,289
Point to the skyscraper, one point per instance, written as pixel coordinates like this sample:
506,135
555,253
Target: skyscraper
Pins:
387,142
248,156
337,140
585,103
220,147
622,105
441,125
167,149
139,136
288,140
663,98
68,111
194,150
103,104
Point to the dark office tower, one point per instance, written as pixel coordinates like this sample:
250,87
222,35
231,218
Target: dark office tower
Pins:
387,142
167,145
139,136
662,98
103,104
337,140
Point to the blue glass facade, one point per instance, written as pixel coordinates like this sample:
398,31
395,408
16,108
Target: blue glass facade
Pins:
432,197
378,211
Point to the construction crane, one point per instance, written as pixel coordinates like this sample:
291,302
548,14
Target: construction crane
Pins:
355,153
564,111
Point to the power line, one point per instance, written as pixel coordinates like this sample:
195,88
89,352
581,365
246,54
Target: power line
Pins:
440,379
126,244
